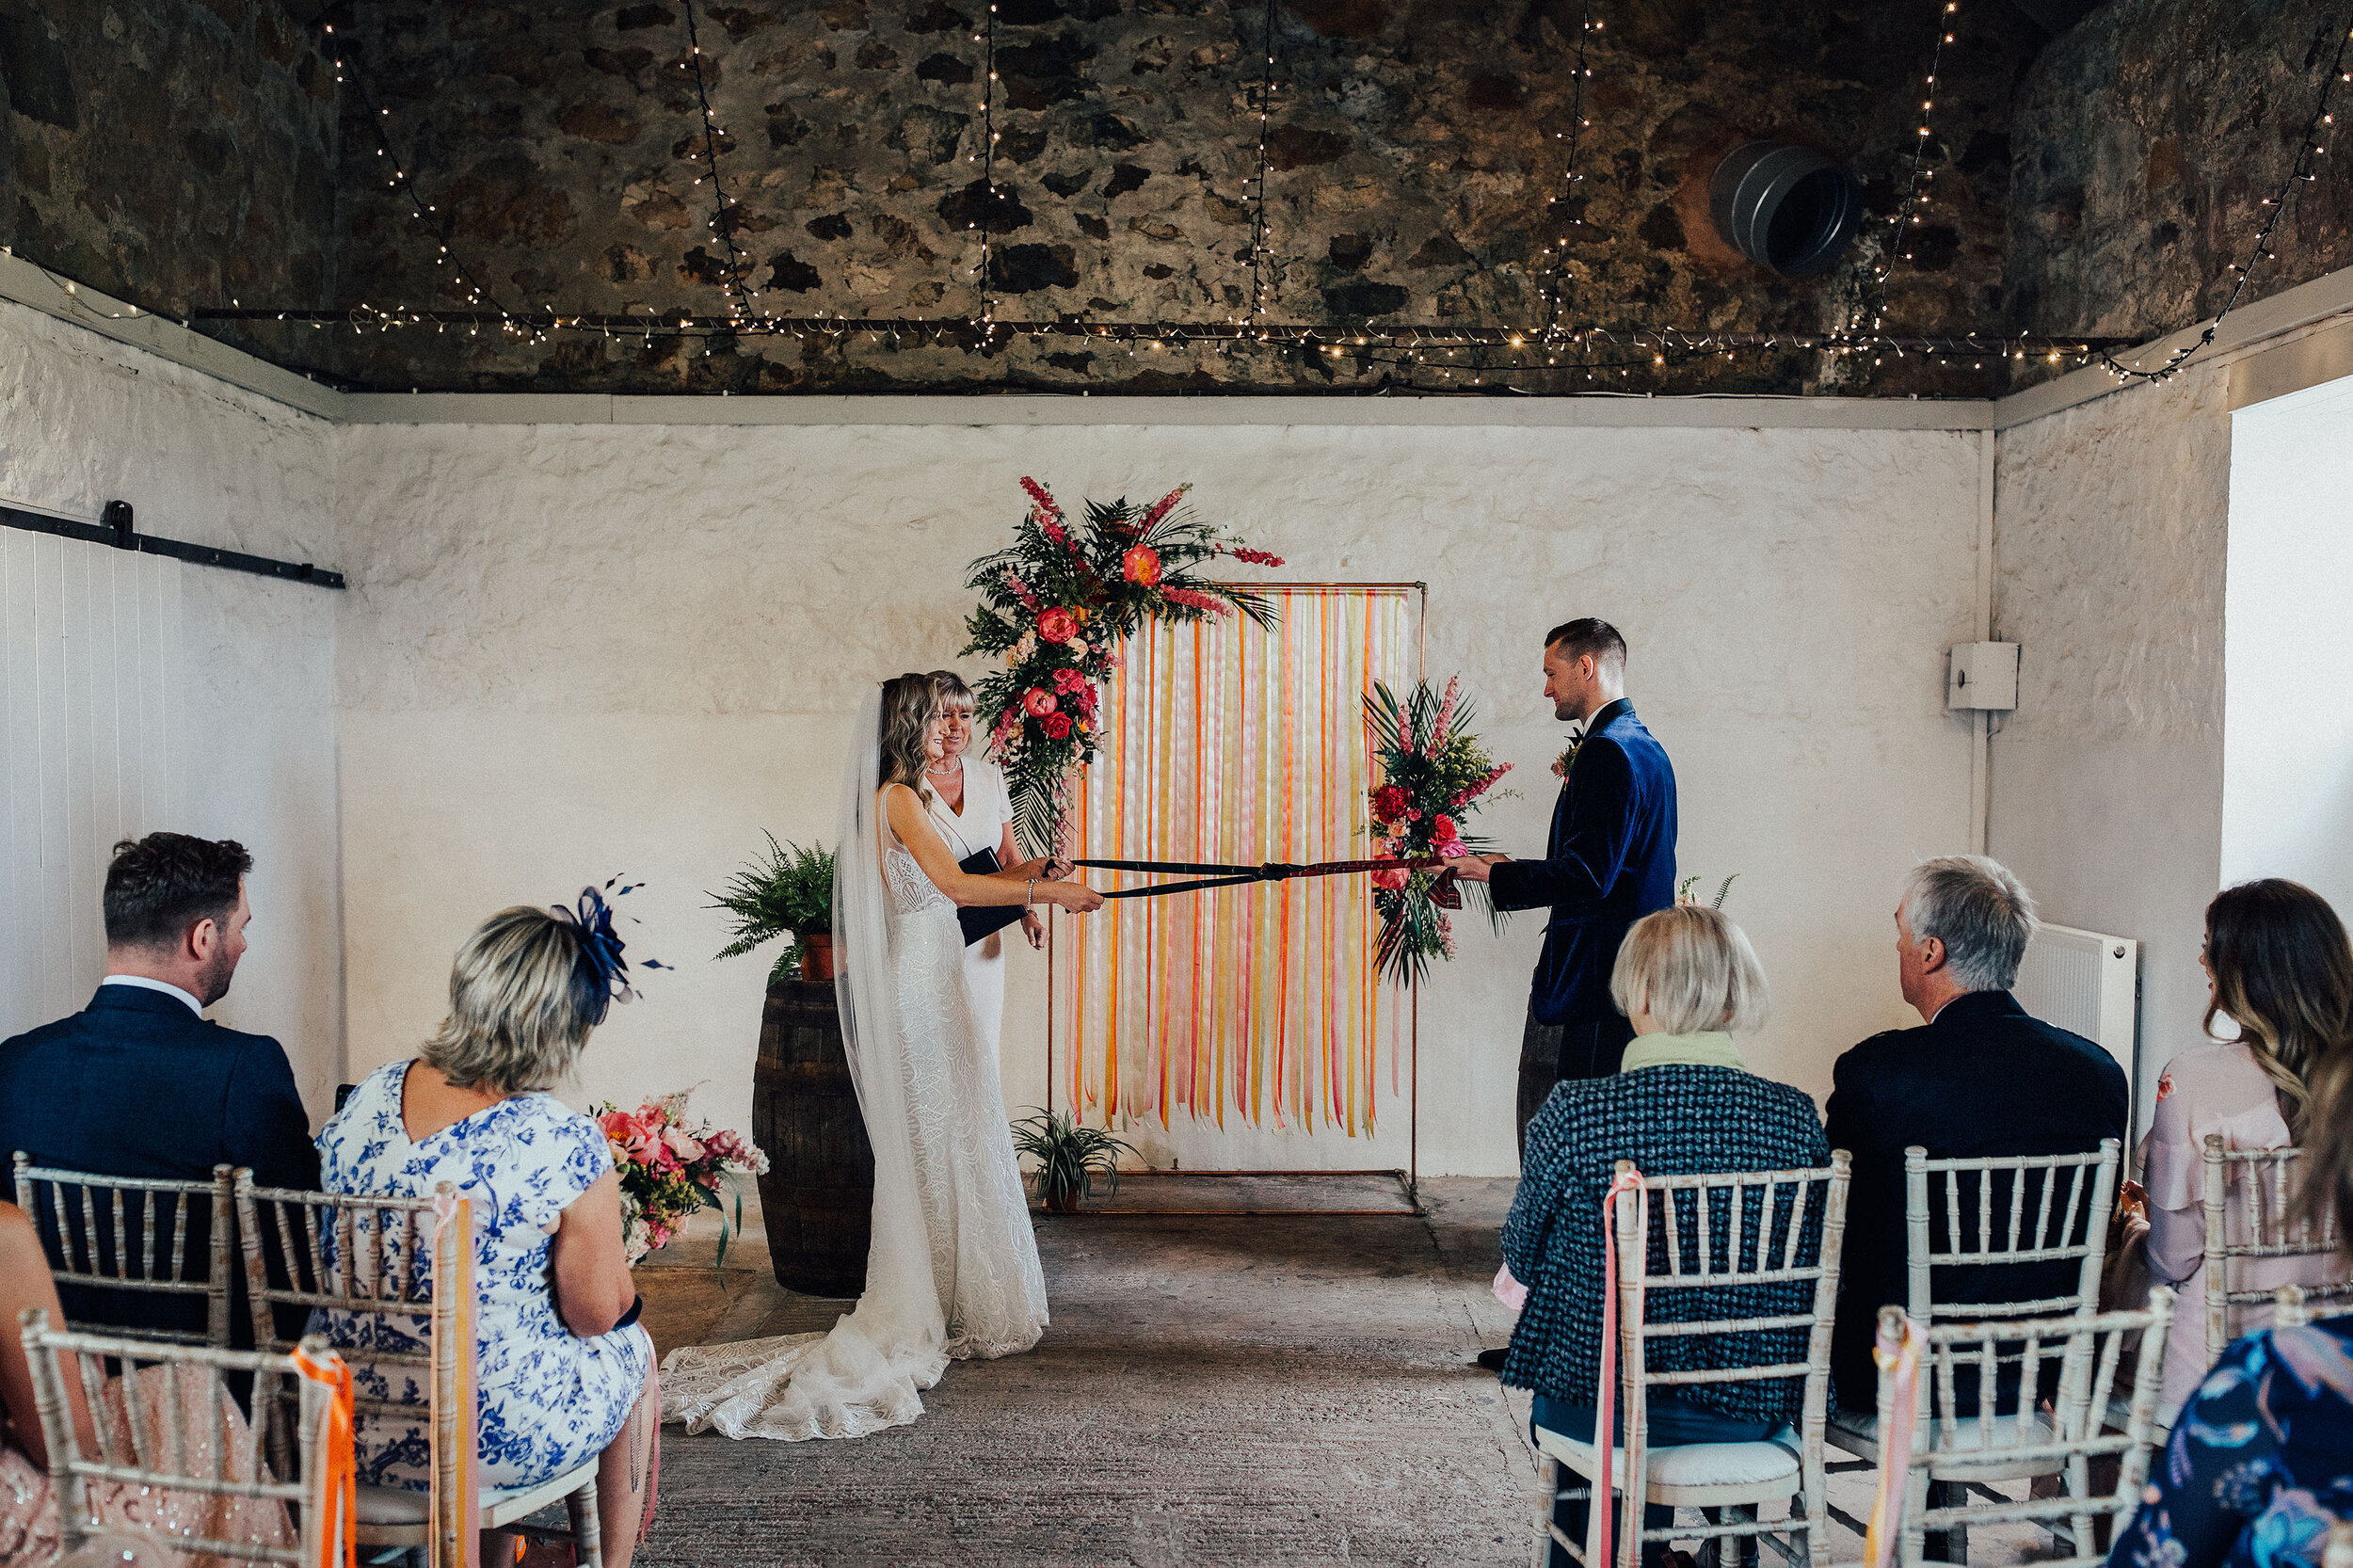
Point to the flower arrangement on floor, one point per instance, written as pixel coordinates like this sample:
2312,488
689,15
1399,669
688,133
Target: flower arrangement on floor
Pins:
1057,605
671,1170
1433,773
1069,1157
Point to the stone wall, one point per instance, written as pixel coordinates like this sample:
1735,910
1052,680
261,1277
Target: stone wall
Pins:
1411,152
176,154
2147,137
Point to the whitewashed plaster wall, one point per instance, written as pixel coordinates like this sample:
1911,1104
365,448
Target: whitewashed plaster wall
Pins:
2112,528
2287,779
577,651
84,421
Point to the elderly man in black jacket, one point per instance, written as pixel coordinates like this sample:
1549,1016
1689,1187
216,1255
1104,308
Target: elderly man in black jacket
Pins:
1979,1078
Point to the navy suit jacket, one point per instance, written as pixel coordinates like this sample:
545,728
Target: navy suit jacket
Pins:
1986,1079
1610,860
137,1085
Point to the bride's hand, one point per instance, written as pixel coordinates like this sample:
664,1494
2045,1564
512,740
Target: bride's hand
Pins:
1076,897
1058,869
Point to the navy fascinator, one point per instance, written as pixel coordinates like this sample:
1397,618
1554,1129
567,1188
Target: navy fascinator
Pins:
600,977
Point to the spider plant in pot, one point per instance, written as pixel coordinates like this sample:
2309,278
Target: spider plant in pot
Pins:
788,893
1069,1157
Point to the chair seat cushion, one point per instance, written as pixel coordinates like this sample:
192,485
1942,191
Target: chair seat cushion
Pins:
1961,1445
1690,1464
398,1506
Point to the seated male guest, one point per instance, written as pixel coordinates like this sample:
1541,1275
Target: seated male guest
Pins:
1681,1102
139,1083
1979,1078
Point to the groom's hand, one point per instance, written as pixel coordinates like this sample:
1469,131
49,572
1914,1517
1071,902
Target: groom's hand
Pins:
1474,868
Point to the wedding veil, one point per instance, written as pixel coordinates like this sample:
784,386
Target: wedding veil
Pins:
865,1374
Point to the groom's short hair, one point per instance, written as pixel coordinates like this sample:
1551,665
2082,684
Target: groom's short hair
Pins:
1586,634
159,886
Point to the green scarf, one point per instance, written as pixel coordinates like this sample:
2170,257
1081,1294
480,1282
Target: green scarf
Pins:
1709,1047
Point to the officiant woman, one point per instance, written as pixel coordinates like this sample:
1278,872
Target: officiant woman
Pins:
969,805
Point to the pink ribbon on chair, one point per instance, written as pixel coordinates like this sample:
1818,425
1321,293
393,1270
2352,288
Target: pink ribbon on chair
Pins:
457,1490
1605,1396
1900,1355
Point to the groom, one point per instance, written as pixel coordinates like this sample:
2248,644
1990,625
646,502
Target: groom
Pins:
1610,860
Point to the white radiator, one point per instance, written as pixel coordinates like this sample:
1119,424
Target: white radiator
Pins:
2090,983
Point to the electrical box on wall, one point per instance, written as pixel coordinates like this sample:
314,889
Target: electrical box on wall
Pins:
1982,676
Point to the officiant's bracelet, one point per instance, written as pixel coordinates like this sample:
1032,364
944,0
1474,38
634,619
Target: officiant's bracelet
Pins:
1028,895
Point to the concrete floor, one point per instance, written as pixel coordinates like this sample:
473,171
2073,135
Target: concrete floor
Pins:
1214,1390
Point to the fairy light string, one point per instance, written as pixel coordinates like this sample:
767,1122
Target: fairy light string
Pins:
2312,145
1916,174
1259,211
1558,279
722,221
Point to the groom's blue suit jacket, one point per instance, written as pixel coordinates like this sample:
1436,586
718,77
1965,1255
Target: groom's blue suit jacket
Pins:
1610,861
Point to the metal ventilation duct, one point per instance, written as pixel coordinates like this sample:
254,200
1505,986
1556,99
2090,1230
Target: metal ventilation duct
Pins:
1788,209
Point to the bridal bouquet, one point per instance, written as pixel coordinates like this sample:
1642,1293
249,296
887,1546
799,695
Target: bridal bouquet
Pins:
1434,774
1057,605
670,1170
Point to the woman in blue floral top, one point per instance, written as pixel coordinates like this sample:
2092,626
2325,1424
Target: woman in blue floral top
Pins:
564,1372
2261,1461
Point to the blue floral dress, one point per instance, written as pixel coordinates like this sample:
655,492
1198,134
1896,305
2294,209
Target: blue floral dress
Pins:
2261,1462
549,1400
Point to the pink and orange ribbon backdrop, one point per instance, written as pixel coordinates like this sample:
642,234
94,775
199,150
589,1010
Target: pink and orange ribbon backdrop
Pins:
1232,742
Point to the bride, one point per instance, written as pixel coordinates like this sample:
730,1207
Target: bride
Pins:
952,1269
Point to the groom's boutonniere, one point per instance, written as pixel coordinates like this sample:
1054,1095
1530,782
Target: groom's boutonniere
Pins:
1567,759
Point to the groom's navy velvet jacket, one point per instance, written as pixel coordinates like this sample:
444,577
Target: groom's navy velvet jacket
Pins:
1610,861
136,1084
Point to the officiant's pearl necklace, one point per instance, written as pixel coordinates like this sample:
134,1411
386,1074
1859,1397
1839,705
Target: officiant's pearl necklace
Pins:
954,766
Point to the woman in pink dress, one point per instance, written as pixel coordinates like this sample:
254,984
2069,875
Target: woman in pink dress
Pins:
2281,970
28,1506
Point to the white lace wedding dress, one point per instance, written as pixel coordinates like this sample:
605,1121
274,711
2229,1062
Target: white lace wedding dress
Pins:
954,1270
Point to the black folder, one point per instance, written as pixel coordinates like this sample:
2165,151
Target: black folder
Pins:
986,921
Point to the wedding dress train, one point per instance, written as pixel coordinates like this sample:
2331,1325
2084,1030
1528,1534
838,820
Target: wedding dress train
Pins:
953,1270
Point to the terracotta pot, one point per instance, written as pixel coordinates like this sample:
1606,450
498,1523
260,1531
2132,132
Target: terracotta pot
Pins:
1061,1200
816,955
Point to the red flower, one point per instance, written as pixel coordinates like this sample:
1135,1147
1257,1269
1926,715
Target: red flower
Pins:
1068,681
1167,504
1444,830
1255,557
1142,564
1390,803
1039,703
1057,726
1057,625
1392,879
1193,599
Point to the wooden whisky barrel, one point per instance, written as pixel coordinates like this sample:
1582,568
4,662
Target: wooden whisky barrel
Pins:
818,1196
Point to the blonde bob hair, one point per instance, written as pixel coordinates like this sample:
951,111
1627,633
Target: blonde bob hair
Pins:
521,1005
1691,969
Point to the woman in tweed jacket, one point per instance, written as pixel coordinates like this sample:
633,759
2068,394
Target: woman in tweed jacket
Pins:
1682,1103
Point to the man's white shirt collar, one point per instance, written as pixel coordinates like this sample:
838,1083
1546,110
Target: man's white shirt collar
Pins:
165,987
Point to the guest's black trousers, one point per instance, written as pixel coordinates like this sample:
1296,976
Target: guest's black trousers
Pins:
1552,1052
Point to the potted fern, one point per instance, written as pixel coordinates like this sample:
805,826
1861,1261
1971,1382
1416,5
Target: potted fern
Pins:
1069,1157
789,893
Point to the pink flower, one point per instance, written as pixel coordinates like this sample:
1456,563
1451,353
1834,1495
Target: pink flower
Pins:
682,1145
1038,703
1142,564
1255,557
1192,598
1068,681
1020,590
1160,508
1057,625
1392,879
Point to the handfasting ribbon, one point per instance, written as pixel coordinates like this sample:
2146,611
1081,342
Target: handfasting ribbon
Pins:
1273,871
457,1490
1605,1396
1897,1353
333,1483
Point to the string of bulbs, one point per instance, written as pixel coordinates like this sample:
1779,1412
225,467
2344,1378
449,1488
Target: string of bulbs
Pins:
1406,349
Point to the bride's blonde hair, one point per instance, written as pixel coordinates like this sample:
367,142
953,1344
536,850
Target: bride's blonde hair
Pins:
908,703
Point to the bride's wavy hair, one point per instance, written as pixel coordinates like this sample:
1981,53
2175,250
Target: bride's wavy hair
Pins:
908,703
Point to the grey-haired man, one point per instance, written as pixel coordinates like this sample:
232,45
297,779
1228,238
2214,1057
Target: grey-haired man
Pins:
1978,1077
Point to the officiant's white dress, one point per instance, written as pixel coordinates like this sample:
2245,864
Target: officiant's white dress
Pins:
988,811
953,1270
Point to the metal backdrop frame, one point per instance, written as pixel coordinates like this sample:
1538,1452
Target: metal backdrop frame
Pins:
1410,1179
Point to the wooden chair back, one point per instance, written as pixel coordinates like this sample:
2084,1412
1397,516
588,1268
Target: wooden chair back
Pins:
2057,1209
1720,1231
132,1234
2294,1306
2006,1434
2265,1223
170,1433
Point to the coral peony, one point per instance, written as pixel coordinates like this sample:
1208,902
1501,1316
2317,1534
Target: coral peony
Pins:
1392,880
1039,703
1057,625
1142,564
1057,726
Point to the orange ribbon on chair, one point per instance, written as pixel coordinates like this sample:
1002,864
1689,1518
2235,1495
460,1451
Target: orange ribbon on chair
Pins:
1900,1355
457,1490
1606,1397
334,1477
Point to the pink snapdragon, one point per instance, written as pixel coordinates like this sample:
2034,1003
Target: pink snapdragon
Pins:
1193,598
